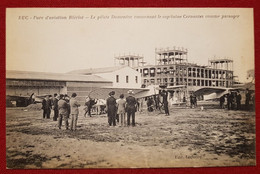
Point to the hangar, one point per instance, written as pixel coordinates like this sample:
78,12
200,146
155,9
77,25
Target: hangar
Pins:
24,83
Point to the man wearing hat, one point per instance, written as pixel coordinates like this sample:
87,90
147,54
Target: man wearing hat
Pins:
74,111
164,95
130,107
55,107
63,107
111,108
46,106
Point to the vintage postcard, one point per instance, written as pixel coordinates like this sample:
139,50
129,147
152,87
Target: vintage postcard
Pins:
129,88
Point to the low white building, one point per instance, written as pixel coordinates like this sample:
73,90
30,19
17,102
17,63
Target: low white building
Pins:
121,76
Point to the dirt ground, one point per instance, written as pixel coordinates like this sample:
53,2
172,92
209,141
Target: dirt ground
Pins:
186,138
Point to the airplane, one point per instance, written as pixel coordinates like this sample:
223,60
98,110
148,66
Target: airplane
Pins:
214,93
23,100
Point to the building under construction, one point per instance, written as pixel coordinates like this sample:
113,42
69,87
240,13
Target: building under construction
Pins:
173,69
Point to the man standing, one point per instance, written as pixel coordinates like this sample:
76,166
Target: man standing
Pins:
46,106
222,101
63,107
130,107
248,97
55,107
74,111
229,100
238,100
111,109
164,95
191,101
121,109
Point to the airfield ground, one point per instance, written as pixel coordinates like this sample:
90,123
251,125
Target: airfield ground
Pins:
186,138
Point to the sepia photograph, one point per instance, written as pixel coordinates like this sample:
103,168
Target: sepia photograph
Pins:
130,88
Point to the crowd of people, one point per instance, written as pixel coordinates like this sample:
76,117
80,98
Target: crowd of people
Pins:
118,111
63,107
122,110
232,100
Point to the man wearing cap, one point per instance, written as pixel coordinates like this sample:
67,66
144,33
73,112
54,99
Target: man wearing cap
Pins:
111,109
74,111
130,107
63,112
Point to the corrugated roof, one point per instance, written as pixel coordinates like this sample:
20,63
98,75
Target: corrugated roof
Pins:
97,70
32,75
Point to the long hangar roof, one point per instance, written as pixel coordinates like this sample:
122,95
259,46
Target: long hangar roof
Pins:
31,75
98,70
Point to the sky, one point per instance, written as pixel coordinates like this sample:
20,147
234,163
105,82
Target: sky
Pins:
65,39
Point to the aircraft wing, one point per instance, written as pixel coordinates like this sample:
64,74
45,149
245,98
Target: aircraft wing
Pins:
250,86
102,93
210,90
175,87
169,88
154,90
16,97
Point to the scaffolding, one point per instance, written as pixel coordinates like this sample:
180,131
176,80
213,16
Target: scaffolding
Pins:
170,56
130,60
224,63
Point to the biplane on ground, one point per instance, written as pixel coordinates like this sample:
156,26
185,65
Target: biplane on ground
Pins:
23,101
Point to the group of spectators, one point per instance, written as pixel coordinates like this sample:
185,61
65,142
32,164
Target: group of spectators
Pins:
120,108
63,107
233,100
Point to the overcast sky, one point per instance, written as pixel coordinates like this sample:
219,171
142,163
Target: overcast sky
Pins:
55,44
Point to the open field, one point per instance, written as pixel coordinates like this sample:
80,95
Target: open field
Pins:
186,138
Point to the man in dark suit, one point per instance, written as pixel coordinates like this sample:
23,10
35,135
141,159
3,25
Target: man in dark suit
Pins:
130,108
248,98
238,100
111,108
164,95
55,107
46,106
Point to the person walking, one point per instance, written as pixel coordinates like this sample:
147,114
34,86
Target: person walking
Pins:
130,108
46,106
164,95
74,111
121,110
111,109
63,107
90,103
